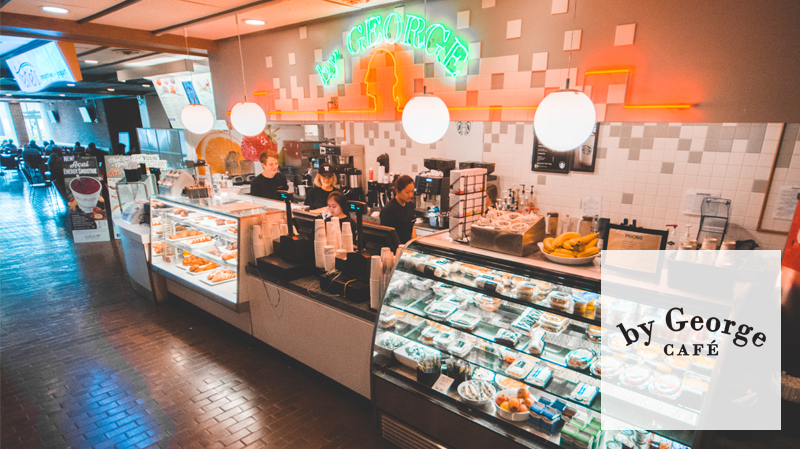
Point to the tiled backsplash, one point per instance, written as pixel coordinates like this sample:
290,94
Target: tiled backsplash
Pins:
642,172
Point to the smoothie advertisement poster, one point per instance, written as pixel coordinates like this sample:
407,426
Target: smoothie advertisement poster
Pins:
87,207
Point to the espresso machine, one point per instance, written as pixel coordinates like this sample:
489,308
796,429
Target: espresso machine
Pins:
433,191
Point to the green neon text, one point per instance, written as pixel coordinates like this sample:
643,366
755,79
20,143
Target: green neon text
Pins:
329,71
414,32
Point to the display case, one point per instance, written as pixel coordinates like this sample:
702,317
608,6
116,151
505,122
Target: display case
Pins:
495,325
203,243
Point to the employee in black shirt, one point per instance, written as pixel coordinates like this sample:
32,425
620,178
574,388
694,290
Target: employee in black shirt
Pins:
324,185
399,214
339,207
267,184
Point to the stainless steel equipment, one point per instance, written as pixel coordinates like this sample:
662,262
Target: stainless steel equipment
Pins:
433,190
173,183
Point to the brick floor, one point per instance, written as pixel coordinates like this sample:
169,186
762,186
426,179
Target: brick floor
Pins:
87,363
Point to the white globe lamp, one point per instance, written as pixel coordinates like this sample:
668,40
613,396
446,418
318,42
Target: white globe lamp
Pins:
426,118
564,120
197,118
248,118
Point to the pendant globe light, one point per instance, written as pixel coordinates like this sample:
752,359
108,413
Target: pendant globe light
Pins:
566,117
247,118
425,117
197,118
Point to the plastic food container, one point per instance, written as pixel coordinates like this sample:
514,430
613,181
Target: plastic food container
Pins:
540,376
666,386
560,301
580,358
487,302
477,392
506,337
387,319
460,347
526,291
636,376
583,394
536,344
552,323
594,333
429,334
520,369
464,320
440,310
387,342
443,340
410,353
579,305
607,366
483,374
618,343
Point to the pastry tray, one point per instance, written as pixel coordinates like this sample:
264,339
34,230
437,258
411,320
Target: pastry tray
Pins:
205,280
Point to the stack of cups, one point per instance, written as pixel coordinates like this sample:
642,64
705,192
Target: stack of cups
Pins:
330,258
347,236
387,260
330,234
267,236
320,240
258,242
337,232
276,231
375,279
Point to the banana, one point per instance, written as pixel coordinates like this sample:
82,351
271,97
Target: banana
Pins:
563,253
548,244
592,243
588,238
589,252
567,245
564,237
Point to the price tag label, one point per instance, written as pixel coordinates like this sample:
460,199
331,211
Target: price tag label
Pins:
443,384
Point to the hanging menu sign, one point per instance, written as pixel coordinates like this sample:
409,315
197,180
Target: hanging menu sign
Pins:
547,160
87,207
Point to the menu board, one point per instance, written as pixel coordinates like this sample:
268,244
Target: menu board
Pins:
175,93
547,160
87,207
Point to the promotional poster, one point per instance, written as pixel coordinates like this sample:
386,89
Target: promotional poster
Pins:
87,208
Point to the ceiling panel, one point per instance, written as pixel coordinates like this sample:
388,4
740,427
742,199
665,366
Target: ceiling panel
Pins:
78,9
155,14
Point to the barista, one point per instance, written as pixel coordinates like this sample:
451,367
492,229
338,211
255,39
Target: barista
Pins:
324,184
339,207
267,184
400,214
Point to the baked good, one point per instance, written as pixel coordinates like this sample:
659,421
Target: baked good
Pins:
222,275
181,235
233,230
552,323
230,256
666,386
560,301
580,358
536,345
506,337
486,302
230,221
386,319
429,334
158,248
607,366
636,376
202,239
508,383
526,291
232,246
593,333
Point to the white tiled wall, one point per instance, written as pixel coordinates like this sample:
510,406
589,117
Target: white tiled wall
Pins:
642,169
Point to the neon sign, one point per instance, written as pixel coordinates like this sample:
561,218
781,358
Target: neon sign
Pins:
329,70
437,40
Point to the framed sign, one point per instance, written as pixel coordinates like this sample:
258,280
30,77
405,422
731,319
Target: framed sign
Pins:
583,157
634,251
544,159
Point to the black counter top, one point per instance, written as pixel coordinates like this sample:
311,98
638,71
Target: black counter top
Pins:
309,287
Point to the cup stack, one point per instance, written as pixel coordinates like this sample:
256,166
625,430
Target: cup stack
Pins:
337,232
387,260
331,235
267,236
276,231
330,258
258,242
375,281
347,236
320,240
319,229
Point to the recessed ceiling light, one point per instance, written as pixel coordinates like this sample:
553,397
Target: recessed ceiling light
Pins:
8,95
54,10
90,61
145,85
254,22
61,95
70,85
111,89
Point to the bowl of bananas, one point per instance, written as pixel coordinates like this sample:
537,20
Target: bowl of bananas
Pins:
570,248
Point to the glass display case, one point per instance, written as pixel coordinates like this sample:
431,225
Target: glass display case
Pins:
521,344
202,243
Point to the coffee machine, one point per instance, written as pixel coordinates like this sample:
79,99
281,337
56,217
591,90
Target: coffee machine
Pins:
433,191
347,162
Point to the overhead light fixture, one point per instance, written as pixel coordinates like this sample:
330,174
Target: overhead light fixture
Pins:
247,118
8,95
54,10
197,118
70,85
145,85
565,118
61,95
254,22
111,89
425,117
90,61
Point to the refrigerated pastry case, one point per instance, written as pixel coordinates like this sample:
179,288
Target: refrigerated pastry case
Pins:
494,324
202,244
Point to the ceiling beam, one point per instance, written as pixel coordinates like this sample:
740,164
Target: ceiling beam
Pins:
212,16
95,34
89,52
108,11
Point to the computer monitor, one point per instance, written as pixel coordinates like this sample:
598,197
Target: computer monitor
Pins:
377,237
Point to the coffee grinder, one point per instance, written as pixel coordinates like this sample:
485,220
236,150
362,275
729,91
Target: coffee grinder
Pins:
433,191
